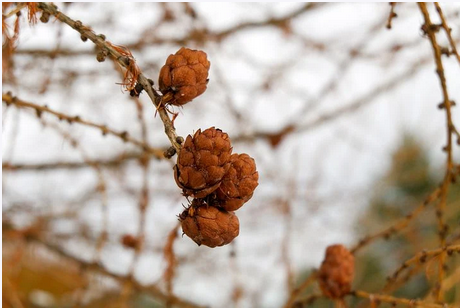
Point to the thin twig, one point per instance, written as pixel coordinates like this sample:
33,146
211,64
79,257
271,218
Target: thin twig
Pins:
109,163
171,260
399,225
124,61
395,300
101,189
9,99
143,206
15,10
422,257
351,107
430,30
299,290
391,15
448,31
306,300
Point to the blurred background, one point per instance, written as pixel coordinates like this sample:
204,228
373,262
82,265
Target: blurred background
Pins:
339,112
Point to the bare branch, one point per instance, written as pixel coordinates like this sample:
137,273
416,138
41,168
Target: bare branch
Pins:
9,99
124,60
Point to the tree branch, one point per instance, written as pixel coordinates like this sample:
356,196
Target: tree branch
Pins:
448,31
394,300
430,29
9,99
123,57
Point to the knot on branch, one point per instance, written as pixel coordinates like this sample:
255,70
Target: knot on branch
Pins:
138,88
104,130
78,24
431,28
124,135
179,139
102,54
45,17
443,104
446,51
423,257
170,152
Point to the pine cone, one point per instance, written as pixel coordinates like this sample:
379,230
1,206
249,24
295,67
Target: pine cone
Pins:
336,272
184,76
238,184
208,225
203,162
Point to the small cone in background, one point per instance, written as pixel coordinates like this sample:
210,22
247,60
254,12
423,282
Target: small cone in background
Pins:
238,184
203,162
336,272
208,225
184,76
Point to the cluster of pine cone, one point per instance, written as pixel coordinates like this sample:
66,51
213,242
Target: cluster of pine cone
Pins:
219,183
336,272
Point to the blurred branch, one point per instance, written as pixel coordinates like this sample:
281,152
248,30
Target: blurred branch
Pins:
403,279
394,300
448,31
299,290
422,257
110,162
391,15
171,260
193,35
143,205
101,189
99,269
63,52
399,225
308,7
343,67
306,300
9,99
351,107
10,295
14,11
451,281
202,35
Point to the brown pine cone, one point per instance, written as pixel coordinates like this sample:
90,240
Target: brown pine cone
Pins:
336,272
184,76
238,184
203,162
208,225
